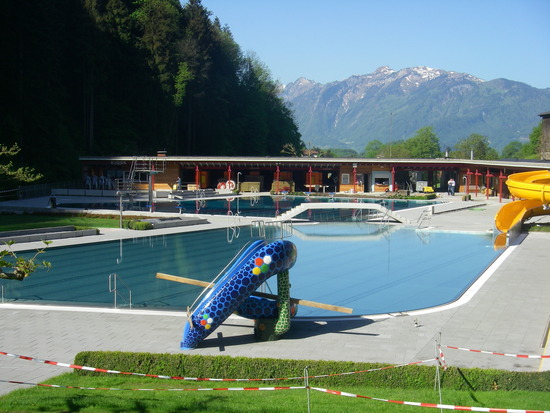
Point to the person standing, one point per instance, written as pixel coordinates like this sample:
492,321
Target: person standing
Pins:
451,187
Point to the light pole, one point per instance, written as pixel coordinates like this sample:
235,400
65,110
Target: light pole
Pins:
119,193
391,129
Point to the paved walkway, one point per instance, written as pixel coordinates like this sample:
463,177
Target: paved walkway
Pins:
508,313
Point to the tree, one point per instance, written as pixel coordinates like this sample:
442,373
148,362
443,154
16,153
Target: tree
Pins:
531,150
10,174
372,149
119,77
425,144
344,153
180,83
290,150
512,150
477,143
159,22
398,149
21,268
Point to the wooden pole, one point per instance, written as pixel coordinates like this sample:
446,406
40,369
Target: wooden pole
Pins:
299,301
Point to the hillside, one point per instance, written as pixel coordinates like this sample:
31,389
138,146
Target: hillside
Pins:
118,77
389,104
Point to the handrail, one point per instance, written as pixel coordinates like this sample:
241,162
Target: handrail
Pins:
423,216
114,289
266,230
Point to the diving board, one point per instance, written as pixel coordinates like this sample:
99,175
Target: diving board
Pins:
340,205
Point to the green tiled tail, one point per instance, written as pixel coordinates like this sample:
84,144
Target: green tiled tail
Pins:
283,302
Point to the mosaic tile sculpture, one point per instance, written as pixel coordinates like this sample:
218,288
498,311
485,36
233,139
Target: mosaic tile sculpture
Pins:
258,263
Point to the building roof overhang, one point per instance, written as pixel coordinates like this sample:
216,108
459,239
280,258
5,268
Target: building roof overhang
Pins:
324,163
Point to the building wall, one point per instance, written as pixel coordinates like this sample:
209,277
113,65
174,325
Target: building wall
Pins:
170,175
367,177
330,175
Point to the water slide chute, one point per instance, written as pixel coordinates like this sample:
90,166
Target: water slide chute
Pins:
256,264
533,189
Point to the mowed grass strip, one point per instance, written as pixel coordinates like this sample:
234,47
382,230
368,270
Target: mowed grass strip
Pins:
46,399
13,222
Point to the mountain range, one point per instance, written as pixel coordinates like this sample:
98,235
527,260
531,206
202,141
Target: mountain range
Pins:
390,105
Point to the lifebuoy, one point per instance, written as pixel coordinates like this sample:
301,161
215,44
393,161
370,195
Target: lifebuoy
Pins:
221,185
230,184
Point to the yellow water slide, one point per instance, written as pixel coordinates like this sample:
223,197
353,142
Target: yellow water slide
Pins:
533,189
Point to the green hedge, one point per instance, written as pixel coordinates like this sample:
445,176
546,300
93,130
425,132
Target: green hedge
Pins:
424,197
409,377
139,225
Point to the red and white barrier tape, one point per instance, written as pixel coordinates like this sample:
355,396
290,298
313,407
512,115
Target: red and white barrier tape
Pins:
158,376
434,405
115,388
369,370
335,392
526,356
441,358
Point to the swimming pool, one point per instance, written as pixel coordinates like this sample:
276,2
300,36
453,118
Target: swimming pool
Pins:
249,206
372,268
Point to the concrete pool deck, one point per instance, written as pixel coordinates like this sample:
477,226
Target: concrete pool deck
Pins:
509,313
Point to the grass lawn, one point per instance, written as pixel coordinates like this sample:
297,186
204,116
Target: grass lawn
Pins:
542,227
47,399
12,222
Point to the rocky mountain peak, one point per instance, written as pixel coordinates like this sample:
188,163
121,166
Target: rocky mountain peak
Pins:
351,112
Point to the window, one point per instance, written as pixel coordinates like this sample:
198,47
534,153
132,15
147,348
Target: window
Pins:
345,179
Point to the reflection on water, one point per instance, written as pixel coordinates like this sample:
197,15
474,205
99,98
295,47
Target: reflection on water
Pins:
258,206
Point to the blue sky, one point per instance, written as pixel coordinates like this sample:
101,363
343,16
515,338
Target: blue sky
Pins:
328,40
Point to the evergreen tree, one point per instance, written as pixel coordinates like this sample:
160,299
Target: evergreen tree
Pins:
117,77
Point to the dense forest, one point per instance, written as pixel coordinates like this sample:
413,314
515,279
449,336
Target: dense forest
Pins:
131,77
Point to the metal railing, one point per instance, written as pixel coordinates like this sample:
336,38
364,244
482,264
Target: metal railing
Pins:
425,215
386,218
271,229
113,288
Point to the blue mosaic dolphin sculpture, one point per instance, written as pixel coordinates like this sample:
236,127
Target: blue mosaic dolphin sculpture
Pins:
257,263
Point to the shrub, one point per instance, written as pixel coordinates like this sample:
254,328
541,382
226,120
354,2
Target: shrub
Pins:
409,377
139,225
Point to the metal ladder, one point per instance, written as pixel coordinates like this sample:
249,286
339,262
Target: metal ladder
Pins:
425,215
113,288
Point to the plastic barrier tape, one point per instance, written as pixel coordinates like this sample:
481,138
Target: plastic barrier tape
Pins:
434,405
115,388
335,392
526,356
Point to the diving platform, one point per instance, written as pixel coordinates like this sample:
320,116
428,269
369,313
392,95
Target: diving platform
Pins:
383,212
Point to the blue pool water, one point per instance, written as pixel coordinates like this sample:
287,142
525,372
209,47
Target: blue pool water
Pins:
259,206
371,268
271,206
